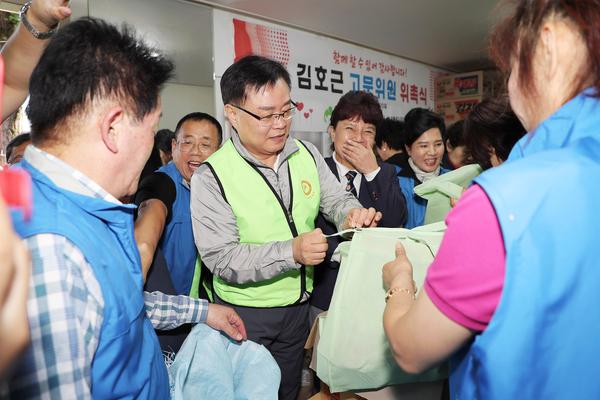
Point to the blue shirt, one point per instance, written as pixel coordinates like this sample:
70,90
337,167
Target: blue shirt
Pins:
66,305
542,341
177,241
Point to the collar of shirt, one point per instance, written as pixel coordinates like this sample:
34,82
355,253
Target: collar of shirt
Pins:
64,176
421,175
289,148
342,170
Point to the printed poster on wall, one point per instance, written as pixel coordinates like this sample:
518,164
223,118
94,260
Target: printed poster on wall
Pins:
322,69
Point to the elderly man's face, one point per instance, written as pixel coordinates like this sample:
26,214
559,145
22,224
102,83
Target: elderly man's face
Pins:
194,143
261,140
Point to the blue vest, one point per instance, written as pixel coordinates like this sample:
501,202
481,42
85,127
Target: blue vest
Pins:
415,205
128,362
543,341
177,241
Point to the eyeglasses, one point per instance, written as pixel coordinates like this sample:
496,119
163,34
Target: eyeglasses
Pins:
187,145
268,120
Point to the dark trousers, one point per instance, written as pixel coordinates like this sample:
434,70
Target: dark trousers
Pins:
283,331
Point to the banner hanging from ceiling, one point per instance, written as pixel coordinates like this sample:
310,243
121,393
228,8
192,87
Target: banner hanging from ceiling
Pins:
322,69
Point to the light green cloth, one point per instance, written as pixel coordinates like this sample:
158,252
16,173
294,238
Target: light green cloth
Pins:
195,289
439,190
353,352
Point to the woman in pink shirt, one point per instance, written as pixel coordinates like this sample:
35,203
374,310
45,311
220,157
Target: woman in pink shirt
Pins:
553,51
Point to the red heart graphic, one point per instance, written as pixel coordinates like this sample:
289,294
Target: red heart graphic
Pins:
299,106
306,115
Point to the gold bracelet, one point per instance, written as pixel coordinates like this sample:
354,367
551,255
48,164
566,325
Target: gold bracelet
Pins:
393,291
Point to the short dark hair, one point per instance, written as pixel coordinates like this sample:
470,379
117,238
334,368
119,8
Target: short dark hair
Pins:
15,142
491,125
200,116
162,140
390,131
357,103
455,135
419,120
250,73
90,59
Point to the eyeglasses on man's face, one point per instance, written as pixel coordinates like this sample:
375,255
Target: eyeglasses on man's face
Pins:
268,120
187,145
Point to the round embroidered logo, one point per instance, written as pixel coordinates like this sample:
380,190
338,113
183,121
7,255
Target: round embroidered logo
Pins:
306,188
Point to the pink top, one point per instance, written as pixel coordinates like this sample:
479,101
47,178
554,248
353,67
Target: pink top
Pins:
465,280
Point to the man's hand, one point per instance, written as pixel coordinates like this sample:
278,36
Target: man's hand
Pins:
360,156
362,217
399,272
22,51
45,14
226,320
310,248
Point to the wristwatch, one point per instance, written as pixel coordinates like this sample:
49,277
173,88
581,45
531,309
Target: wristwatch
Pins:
36,34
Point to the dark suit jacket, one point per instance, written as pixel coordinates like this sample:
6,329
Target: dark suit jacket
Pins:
382,193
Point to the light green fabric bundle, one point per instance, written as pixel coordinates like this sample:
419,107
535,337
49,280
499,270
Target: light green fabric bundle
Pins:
439,190
353,352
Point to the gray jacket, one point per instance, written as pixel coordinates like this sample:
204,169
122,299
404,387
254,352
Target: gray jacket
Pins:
215,229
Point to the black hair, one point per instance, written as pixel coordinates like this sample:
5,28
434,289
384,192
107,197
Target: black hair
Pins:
419,120
250,73
390,131
162,140
200,116
90,59
491,125
455,135
16,142
357,103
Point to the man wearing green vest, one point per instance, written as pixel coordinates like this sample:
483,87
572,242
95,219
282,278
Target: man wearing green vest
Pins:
254,204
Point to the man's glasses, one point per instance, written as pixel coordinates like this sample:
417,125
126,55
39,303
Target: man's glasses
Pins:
268,120
187,145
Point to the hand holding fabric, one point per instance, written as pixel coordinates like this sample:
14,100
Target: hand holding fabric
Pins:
310,248
362,217
398,272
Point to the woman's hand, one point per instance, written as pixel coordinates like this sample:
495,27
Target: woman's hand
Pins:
399,272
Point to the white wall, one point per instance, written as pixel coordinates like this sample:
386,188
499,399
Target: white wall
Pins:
179,100
180,29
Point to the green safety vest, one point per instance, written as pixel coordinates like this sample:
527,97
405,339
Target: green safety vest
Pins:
262,218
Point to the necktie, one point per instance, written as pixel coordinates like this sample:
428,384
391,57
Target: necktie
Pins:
350,175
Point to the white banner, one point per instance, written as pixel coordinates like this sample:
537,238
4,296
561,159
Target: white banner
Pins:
322,69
